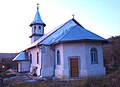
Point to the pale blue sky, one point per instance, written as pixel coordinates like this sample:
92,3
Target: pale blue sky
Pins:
99,16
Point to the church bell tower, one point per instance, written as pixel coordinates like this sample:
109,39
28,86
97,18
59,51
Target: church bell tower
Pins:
37,26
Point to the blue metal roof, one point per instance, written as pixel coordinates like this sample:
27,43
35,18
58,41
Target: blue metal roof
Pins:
22,56
59,32
69,31
37,19
78,33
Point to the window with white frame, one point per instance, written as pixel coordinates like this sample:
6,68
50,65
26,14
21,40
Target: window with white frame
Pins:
94,56
58,58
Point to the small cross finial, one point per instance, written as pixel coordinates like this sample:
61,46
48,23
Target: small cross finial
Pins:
73,16
37,6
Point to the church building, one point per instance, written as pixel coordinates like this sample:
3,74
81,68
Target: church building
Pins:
67,51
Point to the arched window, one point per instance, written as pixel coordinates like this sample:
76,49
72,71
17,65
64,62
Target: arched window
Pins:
37,57
58,57
34,29
94,56
30,58
39,29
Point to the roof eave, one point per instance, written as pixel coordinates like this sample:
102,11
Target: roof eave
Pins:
35,35
21,60
32,47
37,24
82,40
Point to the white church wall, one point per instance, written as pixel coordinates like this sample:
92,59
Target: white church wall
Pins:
59,68
74,50
19,67
47,61
95,69
70,50
23,66
81,51
34,60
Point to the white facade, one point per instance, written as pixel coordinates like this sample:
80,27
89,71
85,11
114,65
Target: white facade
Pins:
34,63
46,61
94,69
44,58
48,66
82,52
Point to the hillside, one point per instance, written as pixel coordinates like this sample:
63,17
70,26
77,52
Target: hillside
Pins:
111,53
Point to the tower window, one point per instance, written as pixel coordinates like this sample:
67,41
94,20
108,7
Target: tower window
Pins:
34,29
58,58
94,56
39,27
37,57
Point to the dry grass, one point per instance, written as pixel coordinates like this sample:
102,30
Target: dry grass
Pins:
51,84
110,80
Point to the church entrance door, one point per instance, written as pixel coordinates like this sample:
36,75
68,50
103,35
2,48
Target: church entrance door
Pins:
74,72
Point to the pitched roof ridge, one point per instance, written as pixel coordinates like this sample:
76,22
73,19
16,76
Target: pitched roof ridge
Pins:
65,34
54,30
72,28
77,22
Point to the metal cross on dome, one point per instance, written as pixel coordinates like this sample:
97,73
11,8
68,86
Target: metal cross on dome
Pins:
73,16
37,5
